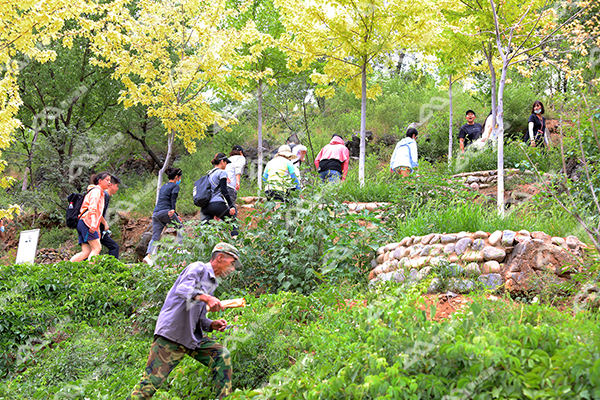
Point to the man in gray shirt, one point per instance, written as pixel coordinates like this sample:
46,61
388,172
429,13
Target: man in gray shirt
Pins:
182,322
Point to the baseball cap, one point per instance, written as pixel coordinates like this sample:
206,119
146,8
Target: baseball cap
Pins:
238,147
228,249
221,157
470,111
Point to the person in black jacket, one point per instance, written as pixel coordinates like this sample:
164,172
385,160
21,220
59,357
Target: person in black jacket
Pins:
221,204
164,212
536,126
105,234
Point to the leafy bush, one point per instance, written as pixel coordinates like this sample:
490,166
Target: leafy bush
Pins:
55,237
38,297
390,349
291,246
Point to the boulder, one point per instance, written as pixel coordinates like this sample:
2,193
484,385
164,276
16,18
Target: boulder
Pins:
142,246
531,258
416,251
434,286
572,242
462,235
436,250
399,276
541,235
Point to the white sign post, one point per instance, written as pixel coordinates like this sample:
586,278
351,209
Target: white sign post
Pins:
27,246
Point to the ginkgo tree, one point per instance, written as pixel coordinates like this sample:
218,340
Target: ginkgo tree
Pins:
350,35
24,27
512,32
175,56
456,54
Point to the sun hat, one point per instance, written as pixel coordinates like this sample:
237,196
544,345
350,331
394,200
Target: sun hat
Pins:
286,151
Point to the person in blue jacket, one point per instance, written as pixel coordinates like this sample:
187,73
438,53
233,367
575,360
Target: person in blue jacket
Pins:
165,211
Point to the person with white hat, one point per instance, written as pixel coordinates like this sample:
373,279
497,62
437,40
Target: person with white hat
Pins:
280,175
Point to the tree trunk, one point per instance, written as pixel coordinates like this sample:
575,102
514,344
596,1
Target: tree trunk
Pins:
450,118
170,140
307,130
500,130
148,150
259,96
363,126
488,56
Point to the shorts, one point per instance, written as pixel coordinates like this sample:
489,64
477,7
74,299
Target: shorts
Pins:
400,169
83,233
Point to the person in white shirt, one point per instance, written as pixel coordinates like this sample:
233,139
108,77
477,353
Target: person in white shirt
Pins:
405,157
234,170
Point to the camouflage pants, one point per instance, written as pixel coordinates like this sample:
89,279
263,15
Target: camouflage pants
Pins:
164,357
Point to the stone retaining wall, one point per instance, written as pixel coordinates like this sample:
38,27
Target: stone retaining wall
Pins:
353,207
483,179
51,256
512,259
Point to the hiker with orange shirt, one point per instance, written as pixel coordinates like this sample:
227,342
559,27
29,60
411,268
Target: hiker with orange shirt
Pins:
90,216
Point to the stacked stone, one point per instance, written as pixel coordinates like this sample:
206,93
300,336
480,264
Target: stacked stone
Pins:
481,256
483,179
51,256
248,202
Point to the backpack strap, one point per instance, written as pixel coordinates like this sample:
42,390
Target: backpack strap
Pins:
86,210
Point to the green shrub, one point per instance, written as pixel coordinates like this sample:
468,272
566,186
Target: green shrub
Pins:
55,237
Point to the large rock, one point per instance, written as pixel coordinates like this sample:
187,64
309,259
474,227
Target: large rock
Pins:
530,259
142,246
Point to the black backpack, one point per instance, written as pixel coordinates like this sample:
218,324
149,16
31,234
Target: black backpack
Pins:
202,191
75,201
